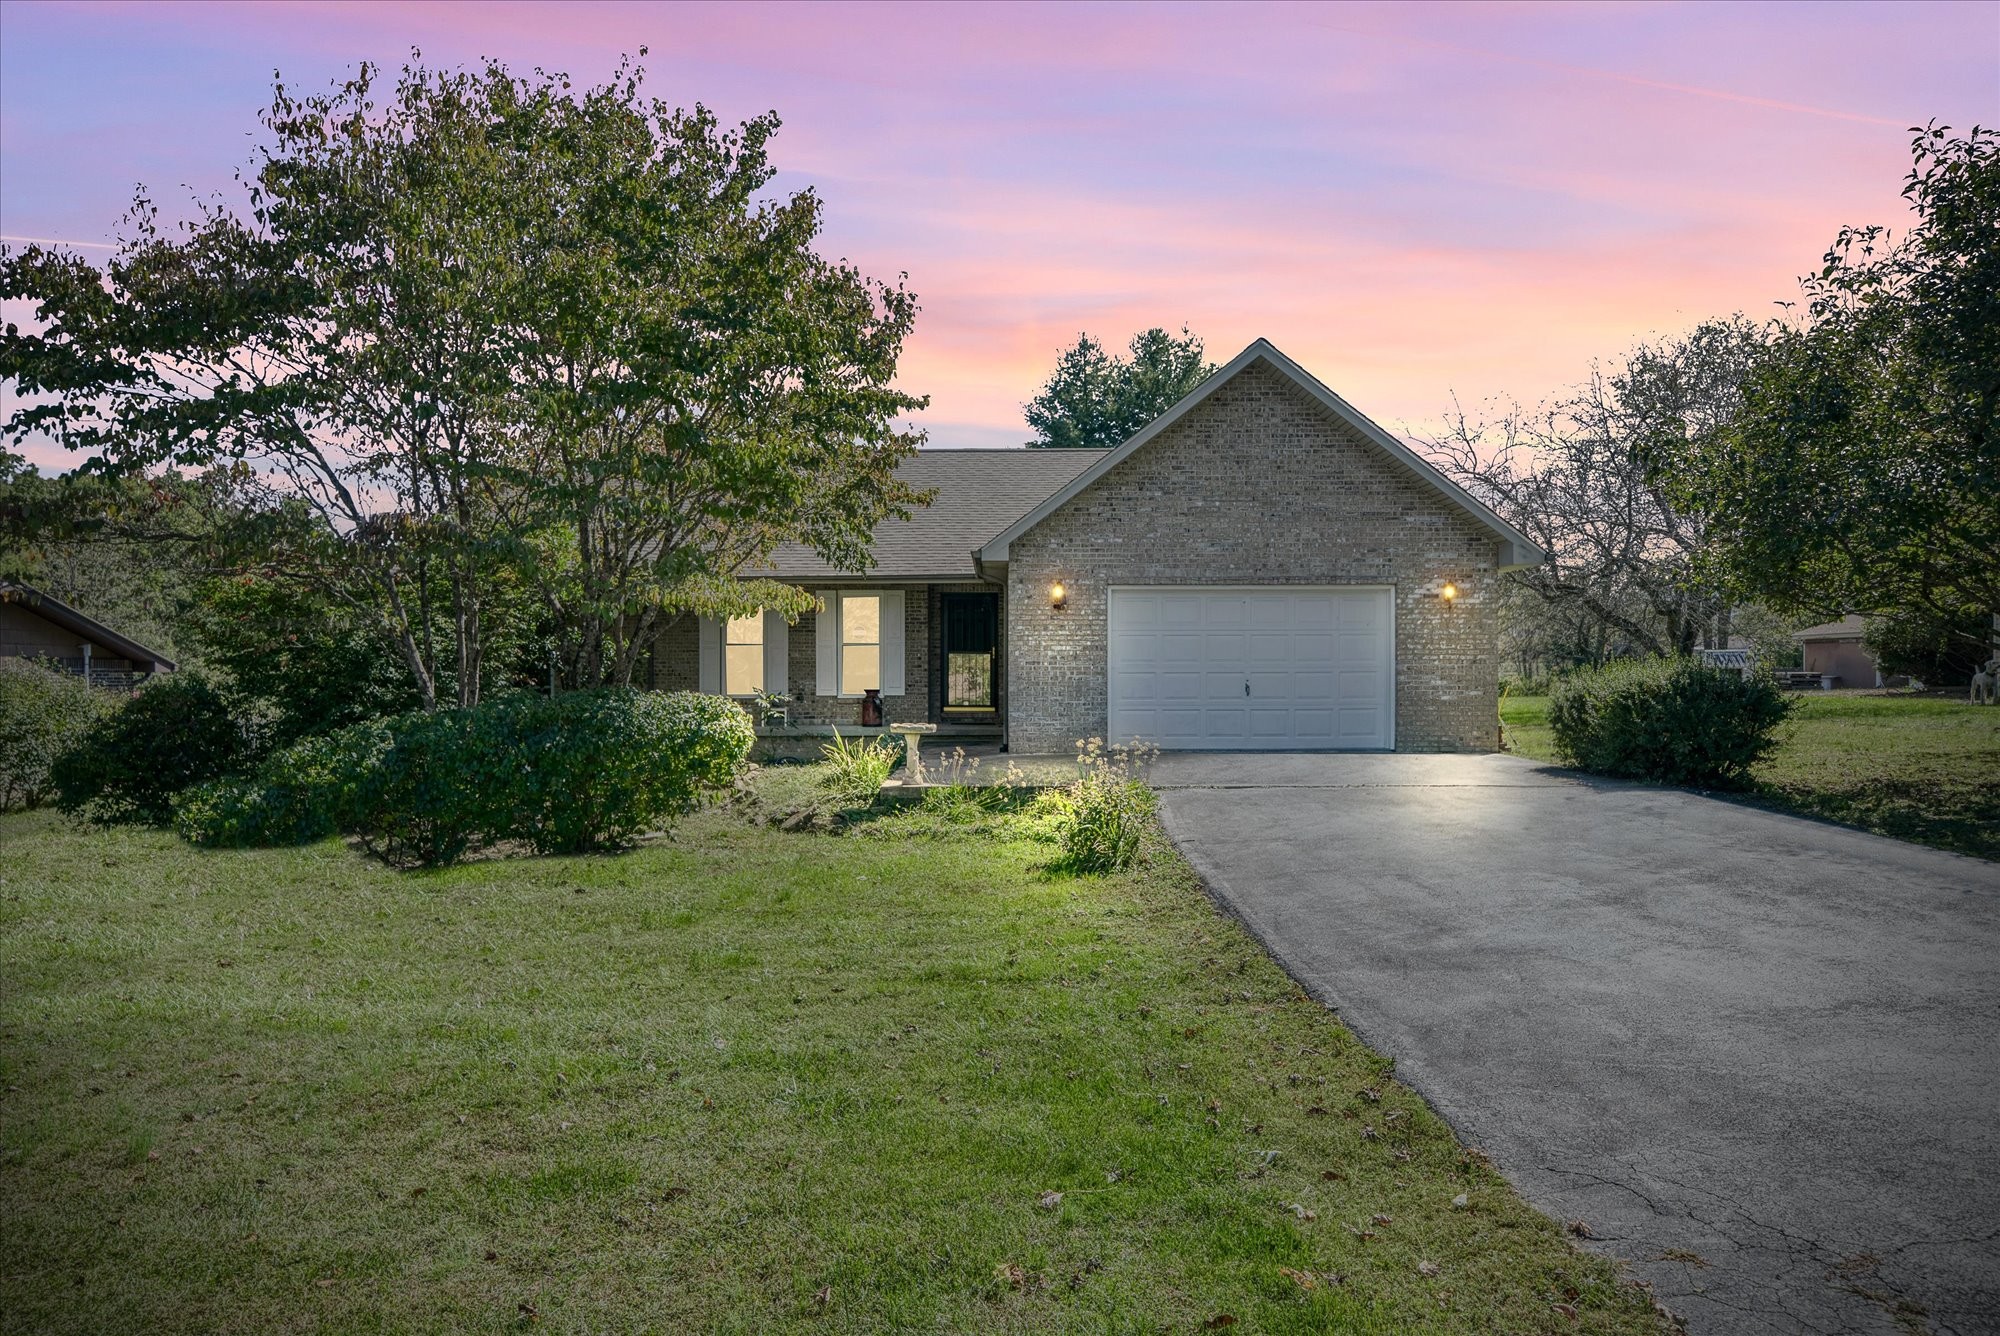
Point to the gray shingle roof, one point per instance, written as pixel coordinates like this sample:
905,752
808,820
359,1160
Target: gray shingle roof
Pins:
979,494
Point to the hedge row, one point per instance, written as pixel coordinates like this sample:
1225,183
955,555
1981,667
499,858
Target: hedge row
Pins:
567,774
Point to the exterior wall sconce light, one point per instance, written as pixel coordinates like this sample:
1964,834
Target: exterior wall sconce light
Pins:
1449,593
1058,595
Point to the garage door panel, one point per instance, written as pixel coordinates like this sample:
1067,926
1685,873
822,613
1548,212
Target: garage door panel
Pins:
1318,663
1313,725
1220,613
1139,613
1314,687
1271,686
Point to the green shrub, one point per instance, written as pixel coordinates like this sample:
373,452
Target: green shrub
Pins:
44,711
593,768
578,772
857,769
435,792
173,733
303,793
1100,820
1668,720
1939,652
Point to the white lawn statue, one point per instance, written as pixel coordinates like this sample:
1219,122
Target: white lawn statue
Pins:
1986,682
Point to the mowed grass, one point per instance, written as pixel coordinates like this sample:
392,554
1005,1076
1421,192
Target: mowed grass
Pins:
736,1081
1919,768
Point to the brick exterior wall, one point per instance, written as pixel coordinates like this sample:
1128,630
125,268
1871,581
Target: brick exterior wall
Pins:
1257,485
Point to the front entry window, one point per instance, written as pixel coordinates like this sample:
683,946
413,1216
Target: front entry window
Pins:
743,655
971,634
860,643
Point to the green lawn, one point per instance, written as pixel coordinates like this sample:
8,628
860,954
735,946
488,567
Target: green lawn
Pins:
1921,768
738,1080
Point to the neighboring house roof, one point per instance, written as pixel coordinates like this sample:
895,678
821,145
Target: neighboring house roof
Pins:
1516,548
979,493
1847,628
52,609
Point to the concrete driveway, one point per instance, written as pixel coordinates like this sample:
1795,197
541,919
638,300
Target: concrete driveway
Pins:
1758,1056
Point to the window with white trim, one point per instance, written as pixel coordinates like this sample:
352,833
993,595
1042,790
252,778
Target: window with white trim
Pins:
860,643
743,655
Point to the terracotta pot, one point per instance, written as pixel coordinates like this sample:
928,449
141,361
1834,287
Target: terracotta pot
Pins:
871,708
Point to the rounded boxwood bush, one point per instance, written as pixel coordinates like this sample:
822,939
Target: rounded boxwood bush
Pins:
434,792
174,732
589,769
1669,720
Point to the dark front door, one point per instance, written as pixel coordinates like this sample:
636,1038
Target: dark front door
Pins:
971,637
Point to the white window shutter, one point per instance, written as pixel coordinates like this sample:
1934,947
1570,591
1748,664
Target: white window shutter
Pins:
892,642
708,655
826,645
776,649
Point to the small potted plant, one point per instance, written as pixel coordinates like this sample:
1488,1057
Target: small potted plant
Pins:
773,709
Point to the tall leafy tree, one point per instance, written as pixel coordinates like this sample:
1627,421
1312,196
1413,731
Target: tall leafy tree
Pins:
1863,472
489,324
334,336
1096,400
695,383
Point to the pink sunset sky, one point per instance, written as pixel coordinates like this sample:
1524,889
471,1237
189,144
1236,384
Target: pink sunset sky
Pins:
1416,202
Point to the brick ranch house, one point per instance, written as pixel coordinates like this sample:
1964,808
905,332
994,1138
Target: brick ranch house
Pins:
1261,567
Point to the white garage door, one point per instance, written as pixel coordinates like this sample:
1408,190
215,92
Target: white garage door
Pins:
1244,669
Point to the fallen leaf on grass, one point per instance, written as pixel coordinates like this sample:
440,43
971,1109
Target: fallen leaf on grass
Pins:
1299,1210
822,1296
1218,1322
1427,1268
1048,1201
1305,1280
1460,1202
1012,1273
1379,1219
1567,1310
1580,1229
529,1313
492,1256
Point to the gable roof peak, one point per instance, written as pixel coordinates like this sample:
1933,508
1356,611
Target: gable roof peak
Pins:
1516,548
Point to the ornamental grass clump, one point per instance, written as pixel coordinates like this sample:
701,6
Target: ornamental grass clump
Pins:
857,769
1100,820
1673,721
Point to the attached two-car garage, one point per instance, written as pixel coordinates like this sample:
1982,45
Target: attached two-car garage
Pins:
1250,668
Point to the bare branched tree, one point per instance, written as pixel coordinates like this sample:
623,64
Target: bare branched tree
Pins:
1621,556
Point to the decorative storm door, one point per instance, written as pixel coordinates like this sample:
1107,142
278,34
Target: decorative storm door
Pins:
971,635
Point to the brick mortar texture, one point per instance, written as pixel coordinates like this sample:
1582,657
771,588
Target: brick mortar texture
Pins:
1259,484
